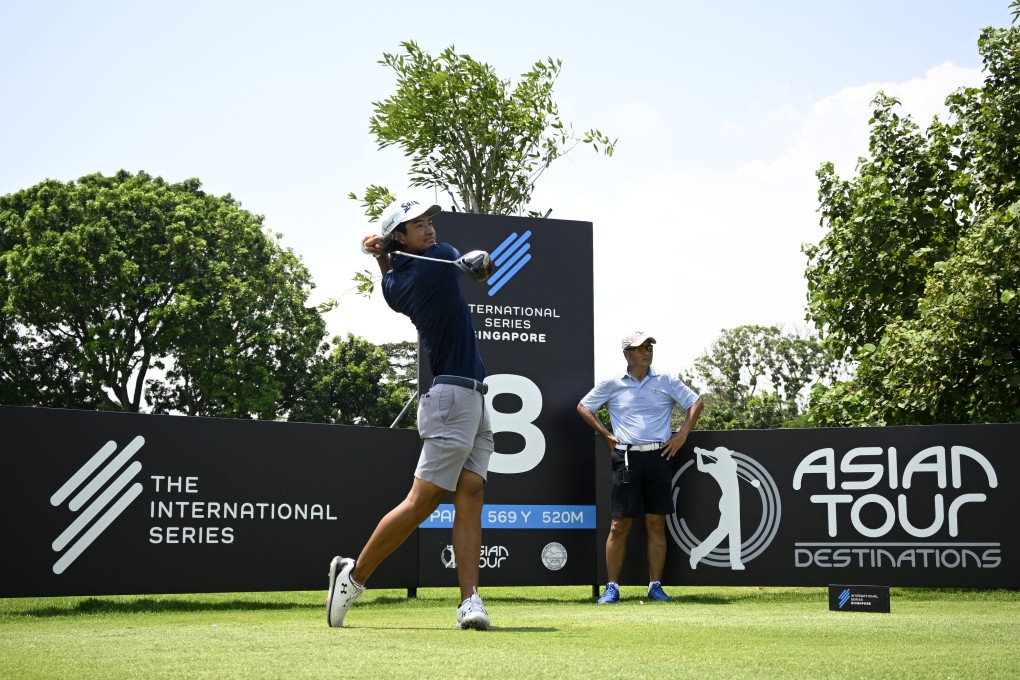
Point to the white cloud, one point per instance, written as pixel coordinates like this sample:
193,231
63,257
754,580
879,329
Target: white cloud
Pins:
684,254
837,128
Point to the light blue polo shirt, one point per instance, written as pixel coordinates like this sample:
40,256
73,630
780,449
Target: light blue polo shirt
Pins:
640,411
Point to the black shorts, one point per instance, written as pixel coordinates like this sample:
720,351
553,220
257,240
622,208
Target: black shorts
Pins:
651,480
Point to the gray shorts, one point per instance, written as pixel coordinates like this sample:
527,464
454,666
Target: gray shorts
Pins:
454,423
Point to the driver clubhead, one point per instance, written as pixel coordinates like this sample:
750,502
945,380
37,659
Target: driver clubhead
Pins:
477,264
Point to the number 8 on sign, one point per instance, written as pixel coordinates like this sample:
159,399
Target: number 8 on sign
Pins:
521,422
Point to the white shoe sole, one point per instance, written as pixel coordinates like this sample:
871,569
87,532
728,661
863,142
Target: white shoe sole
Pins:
474,623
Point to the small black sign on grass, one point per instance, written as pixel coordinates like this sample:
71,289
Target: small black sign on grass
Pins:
844,598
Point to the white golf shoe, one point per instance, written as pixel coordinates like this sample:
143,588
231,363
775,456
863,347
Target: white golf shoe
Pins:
471,614
343,591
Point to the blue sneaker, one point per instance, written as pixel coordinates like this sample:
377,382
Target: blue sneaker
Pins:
655,592
611,594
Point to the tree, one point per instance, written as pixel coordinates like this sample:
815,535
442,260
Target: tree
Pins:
916,280
887,228
471,134
958,361
32,374
479,139
354,384
403,371
403,363
757,377
112,278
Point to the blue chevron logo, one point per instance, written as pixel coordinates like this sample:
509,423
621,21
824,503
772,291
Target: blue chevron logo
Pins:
508,259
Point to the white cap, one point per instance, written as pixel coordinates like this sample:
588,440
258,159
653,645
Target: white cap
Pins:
636,338
402,211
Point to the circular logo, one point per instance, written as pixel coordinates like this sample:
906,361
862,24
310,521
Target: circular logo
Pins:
448,558
753,478
554,556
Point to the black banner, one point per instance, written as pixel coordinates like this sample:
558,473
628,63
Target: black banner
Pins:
897,506
110,503
114,503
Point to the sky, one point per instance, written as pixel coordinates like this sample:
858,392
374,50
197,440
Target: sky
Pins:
722,111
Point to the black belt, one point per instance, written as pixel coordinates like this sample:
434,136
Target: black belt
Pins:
479,387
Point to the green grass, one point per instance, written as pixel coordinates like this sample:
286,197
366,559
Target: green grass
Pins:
536,633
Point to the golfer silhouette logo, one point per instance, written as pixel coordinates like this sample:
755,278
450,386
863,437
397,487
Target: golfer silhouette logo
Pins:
724,469
730,470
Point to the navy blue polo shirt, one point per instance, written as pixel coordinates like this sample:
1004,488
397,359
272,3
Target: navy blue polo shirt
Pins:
429,293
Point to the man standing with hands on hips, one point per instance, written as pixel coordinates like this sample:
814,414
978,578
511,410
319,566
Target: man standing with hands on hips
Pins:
640,403
421,278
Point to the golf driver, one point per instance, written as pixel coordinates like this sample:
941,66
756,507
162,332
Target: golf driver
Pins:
753,482
477,264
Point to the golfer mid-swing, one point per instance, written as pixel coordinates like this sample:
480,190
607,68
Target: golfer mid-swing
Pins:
453,419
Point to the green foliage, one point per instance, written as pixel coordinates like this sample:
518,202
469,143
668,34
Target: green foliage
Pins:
887,228
756,377
34,373
364,282
480,139
110,278
959,360
375,201
916,280
356,383
403,371
403,363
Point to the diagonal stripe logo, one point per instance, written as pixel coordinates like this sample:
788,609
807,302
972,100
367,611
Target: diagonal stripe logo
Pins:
844,597
508,259
97,511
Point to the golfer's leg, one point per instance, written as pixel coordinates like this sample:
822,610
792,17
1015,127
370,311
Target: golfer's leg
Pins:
468,500
616,546
396,526
655,527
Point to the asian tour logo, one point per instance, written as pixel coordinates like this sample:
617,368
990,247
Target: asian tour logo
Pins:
508,259
489,557
731,471
99,510
872,502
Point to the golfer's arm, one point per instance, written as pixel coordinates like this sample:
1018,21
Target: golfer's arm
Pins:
594,423
384,263
692,418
